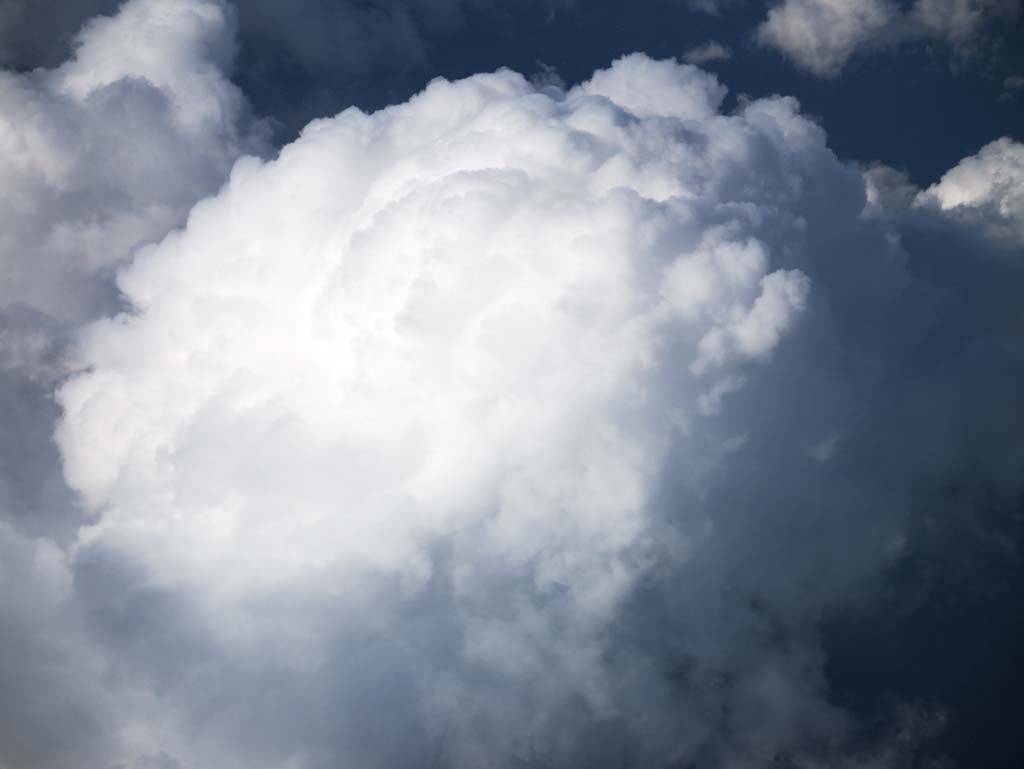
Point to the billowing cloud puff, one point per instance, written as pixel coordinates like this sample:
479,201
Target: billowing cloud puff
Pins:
449,346
111,149
982,193
987,189
447,323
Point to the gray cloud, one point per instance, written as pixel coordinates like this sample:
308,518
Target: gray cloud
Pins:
53,709
105,152
102,154
111,149
821,36
707,52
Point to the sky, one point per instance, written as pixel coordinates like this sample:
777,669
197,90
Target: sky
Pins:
557,383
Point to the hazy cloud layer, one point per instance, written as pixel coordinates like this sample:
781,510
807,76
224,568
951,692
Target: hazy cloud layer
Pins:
821,36
708,52
513,425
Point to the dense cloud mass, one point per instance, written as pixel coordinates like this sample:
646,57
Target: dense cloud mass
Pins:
99,156
513,425
445,350
111,149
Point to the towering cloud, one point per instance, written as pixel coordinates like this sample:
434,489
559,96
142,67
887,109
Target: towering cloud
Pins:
509,426
446,349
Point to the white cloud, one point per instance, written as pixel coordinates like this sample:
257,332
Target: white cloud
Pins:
446,316
449,324
111,149
648,88
489,408
821,36
437,409
888,190
986,189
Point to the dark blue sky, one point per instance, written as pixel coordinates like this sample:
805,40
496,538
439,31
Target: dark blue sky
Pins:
912,104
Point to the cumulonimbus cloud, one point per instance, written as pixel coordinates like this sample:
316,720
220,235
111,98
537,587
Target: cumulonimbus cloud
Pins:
472,361
508,426
477,323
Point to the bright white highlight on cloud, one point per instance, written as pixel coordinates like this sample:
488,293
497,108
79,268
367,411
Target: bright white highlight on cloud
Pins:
449,321
986,189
